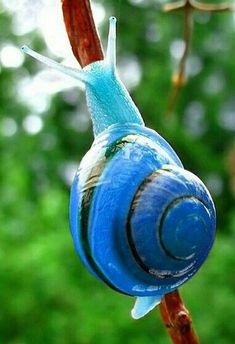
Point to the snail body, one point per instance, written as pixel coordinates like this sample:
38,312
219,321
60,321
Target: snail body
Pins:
140,222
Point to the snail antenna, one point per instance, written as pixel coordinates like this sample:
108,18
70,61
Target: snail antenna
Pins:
74,73
144,304
111,47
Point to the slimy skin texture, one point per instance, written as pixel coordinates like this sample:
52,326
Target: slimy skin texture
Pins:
140,222
108,100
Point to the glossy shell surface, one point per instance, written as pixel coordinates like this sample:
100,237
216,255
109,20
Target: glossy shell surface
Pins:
140,222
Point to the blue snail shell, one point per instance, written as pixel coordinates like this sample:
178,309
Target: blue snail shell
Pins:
140,222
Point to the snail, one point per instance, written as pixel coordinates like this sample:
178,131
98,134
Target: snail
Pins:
140,222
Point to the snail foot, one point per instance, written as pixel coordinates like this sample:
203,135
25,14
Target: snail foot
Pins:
144,304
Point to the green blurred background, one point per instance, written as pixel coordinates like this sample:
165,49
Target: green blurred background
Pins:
46,294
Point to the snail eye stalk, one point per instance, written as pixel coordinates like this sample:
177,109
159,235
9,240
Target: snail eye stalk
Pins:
111,47
74,73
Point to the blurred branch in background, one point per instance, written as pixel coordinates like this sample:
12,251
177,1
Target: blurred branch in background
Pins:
80,28
187,7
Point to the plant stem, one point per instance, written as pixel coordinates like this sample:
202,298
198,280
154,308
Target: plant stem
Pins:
179,79
177,319
81,31
188,7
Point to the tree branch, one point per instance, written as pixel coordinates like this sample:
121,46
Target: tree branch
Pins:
81,31
177,319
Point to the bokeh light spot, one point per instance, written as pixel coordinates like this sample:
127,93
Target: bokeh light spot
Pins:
11,56
33,124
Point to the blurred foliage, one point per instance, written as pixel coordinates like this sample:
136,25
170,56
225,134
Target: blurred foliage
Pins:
46,294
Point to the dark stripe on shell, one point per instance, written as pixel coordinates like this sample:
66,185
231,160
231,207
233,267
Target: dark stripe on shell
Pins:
87,197
130,239
172,204
131,242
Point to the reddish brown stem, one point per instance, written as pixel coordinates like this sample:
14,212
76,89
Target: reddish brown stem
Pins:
81,31
177,319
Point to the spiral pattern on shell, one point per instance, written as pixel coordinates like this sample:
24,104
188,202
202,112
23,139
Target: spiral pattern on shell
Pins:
140,222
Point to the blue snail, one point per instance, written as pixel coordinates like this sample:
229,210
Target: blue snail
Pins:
140,222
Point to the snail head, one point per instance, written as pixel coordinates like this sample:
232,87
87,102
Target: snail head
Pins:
108,100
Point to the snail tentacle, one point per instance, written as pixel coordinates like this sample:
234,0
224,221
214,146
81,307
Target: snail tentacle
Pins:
72,72
111,47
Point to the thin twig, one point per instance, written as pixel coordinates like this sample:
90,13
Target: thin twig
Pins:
81,31
177,319
179,78
188,7
197,6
